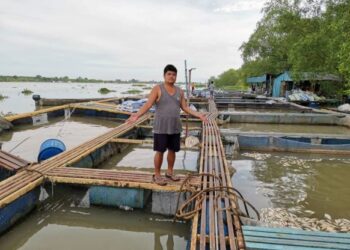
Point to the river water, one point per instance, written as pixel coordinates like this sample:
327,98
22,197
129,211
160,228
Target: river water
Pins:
59,224
20,103
308,185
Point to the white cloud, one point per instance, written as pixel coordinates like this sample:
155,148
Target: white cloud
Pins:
121,39
241,5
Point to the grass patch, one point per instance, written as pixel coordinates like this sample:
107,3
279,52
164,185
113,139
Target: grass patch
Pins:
132,91
238,87
147,88
138,85
105,91
27,92
2,97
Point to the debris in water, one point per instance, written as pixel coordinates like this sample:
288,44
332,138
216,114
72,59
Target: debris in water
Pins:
280,217
126,208
257,156
191,141
327,216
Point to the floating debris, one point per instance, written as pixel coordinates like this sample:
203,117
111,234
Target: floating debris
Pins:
133,91
280,217
191,141
257,156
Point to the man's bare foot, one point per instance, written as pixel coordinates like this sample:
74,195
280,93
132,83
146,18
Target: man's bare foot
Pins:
159,180
172,177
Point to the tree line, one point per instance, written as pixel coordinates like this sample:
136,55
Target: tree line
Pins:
298,36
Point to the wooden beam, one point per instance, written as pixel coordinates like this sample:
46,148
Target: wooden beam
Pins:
116,111
12,118
131,141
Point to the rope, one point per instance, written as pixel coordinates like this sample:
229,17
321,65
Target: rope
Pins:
42,174
186,212
64,121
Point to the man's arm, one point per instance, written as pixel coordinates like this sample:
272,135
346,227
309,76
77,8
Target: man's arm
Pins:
152,97
188,110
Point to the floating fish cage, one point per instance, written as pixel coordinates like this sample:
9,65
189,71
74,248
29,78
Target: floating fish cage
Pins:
80,168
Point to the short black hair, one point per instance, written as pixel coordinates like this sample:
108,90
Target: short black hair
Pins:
170,67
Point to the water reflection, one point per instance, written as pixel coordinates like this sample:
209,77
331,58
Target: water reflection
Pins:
58,224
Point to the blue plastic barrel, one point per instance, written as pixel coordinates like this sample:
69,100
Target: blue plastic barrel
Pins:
50,148
314,105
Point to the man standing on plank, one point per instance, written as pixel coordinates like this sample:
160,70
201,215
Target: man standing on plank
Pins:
167,127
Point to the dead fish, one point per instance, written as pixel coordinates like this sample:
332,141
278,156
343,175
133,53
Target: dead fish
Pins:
191,141
327,216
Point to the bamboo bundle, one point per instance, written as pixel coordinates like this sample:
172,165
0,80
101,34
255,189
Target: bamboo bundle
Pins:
215,203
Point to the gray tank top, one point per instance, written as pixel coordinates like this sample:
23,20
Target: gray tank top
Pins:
167,116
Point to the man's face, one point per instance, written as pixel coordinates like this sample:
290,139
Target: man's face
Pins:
170,77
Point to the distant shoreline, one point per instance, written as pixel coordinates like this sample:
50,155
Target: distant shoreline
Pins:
66,79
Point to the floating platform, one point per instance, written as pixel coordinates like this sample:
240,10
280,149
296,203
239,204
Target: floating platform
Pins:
288,142
265,238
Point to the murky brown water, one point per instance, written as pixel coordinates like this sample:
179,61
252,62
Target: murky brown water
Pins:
58,224
307,185
286,128
25,141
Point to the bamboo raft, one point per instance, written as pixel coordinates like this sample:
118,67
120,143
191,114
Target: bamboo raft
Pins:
111,178
213,162
32,176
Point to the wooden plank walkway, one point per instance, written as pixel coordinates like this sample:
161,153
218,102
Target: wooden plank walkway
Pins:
113,178
216,225
265,238
32,176
12,118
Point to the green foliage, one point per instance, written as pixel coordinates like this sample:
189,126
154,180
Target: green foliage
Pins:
138,84
105,91
300,36
132,91
232,79
2,97
26,92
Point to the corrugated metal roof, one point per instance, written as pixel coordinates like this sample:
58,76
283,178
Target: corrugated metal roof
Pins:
257,79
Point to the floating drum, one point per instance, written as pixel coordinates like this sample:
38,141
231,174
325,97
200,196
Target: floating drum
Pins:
50,148
314,105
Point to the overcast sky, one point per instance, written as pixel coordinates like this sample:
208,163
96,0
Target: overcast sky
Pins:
116,39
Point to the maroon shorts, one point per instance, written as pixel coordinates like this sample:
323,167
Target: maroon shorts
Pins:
162,142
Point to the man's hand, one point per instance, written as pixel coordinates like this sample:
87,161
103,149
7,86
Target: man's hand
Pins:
133,118
203,118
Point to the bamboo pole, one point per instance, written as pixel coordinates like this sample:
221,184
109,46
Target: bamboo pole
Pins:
12,118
